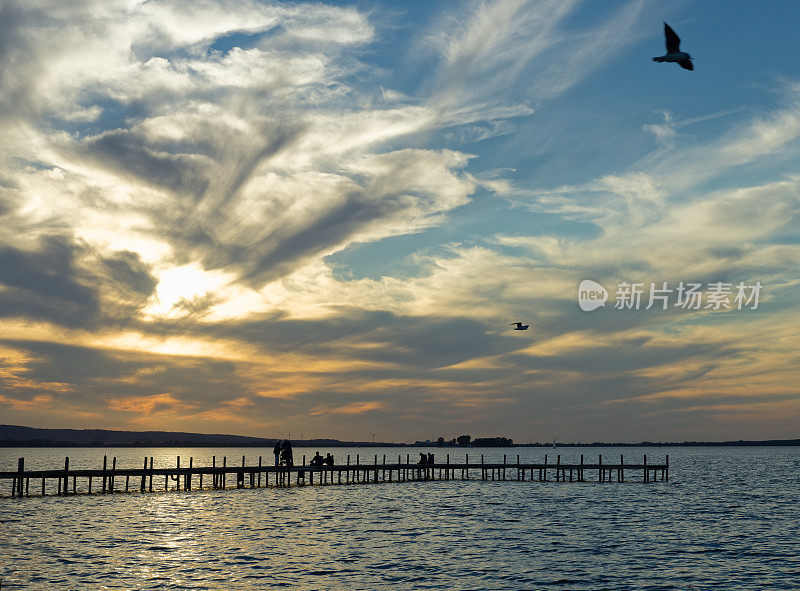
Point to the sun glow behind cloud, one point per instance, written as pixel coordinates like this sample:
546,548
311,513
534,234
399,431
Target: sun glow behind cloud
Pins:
237,215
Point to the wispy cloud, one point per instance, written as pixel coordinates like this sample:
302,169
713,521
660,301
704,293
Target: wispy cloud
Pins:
174,176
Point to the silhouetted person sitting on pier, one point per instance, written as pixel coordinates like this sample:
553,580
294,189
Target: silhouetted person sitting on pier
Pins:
277,451
430,458
328,461
423,459
286,454
317,460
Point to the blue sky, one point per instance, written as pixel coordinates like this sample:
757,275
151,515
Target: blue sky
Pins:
249,217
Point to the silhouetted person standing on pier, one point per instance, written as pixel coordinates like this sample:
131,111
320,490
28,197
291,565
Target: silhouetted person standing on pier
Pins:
277,451
287,454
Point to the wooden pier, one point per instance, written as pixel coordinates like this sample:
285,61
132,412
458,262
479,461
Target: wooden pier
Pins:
113,479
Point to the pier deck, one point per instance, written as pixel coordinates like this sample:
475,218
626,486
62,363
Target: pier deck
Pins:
109,479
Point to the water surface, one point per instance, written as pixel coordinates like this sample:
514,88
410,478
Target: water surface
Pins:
728,519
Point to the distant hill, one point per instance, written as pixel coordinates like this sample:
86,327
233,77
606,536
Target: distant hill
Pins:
17,436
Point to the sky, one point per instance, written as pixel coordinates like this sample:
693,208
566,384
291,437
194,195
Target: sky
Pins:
321,219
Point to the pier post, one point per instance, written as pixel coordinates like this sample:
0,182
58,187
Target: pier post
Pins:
558,466
580,471
259,471
113,470
144,475
151,474
224,476
187,482
504,466
600,476
667,470
483,470
466,463
18,480
66,476
545,469
646,475
105,477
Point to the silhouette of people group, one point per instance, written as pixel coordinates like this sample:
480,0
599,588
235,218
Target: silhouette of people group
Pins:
424,460
284,457
318,460
283,453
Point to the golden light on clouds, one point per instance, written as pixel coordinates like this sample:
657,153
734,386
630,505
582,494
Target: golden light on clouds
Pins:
164,403
263,215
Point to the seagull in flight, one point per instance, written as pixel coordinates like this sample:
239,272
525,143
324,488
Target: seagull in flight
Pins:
674,53
520,326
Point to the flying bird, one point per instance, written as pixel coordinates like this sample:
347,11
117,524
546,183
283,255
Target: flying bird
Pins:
520,326
674,53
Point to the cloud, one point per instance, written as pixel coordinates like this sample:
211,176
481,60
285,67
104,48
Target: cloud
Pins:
354,408
62,281
175,175
148,405
494,46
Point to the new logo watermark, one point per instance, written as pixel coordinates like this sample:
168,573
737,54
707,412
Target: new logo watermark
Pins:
685,295
591,295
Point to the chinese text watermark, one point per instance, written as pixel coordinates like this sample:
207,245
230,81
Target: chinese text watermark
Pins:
662,295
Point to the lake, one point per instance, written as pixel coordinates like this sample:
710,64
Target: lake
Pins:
729,518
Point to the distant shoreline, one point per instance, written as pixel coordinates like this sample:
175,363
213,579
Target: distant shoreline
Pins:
18,436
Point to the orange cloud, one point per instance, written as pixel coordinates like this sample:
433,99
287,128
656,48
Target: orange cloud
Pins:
355,408
153,404
40,401
14,364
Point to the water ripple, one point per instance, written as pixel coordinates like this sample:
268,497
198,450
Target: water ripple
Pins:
709,529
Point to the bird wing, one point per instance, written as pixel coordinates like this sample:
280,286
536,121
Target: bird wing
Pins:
673,41
686,64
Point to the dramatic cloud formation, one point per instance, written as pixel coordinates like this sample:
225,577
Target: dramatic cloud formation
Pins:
255,217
